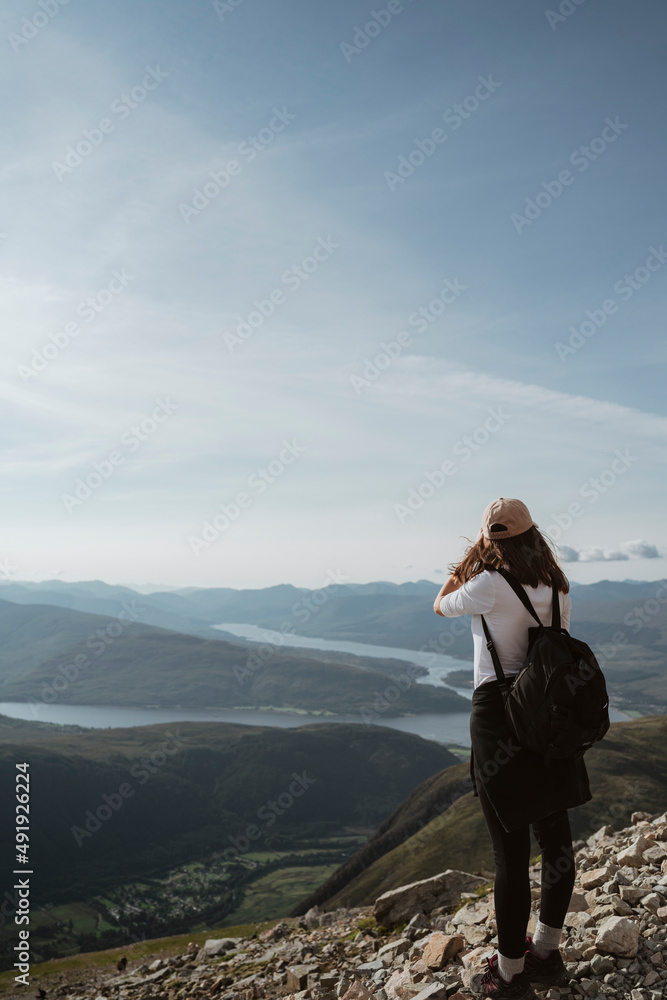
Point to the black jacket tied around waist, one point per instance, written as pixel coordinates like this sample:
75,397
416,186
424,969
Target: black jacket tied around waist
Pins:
521,788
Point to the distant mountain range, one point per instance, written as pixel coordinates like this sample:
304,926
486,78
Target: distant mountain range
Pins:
625,622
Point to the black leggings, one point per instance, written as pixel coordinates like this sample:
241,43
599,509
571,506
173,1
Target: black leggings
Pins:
512,887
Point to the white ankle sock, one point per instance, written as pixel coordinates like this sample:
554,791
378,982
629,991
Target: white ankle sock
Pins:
508,967
545,939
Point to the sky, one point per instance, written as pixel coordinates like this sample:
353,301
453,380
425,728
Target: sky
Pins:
292,290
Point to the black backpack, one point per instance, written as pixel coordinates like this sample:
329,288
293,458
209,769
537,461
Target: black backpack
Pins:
557,705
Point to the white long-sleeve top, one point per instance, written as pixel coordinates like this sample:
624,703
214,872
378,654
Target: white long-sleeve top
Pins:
489,594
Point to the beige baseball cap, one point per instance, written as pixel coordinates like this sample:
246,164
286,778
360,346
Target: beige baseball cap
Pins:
504,518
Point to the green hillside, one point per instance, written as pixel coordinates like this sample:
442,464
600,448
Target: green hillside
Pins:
625,622
426,835
117,804
56,655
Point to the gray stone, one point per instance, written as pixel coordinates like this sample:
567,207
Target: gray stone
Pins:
312,918
416,927
434,991
297,976
217,946
652,902
394,948
368,967
441,890
601,964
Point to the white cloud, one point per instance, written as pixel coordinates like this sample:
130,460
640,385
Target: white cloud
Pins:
594,554
637,549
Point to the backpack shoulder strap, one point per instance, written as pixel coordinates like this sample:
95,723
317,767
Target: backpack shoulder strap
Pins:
525,600
502,680
520,593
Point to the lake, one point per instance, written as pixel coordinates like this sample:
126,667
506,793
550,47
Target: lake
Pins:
447,728
438,665
451,727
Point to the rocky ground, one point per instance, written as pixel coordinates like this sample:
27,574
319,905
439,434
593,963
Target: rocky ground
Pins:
614,941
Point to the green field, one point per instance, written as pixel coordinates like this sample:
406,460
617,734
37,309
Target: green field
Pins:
275,893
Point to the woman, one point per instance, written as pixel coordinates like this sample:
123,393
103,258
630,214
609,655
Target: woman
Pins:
515,788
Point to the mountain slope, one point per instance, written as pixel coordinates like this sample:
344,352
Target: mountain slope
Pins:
57,655
627,771
101,599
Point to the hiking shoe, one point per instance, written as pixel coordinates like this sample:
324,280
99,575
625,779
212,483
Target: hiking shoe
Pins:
549,970
491,984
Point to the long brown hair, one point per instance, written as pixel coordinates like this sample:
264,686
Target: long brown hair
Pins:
527,556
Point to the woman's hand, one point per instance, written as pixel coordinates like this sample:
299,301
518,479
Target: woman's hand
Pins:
447,588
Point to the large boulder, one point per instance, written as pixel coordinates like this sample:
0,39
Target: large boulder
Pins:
443,890
618,936
216,946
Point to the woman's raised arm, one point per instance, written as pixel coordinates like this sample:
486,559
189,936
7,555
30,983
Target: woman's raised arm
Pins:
447,588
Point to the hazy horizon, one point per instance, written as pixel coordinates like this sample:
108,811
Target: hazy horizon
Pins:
148,588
